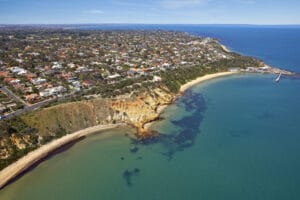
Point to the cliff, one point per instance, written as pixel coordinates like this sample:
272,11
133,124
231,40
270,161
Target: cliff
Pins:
70,117
143,109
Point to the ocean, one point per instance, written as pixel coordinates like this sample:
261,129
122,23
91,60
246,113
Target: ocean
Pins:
233,137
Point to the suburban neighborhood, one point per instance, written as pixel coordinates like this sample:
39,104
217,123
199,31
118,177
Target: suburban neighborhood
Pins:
40,65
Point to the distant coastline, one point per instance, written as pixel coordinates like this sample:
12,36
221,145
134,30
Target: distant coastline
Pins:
225,48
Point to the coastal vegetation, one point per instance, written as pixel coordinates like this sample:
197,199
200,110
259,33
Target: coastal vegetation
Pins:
179,76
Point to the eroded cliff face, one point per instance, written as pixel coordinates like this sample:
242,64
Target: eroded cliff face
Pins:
144,108
71,117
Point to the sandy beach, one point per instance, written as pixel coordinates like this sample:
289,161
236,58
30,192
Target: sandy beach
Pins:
186,86
13,170
225,48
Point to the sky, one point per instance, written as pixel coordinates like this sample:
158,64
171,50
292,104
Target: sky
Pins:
150,11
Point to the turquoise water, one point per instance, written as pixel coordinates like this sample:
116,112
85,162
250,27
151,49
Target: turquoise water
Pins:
229,138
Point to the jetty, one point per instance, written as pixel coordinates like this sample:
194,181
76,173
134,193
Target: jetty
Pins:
278,78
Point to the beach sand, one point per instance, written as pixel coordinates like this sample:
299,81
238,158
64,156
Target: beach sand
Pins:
225,48
186,86
24,163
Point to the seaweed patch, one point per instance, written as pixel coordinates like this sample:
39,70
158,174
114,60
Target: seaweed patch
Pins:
189,127
128,174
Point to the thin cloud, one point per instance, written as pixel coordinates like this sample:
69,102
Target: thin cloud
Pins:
176,4
245,1
94,12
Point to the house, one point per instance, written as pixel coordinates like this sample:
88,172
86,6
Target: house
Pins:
157,79
114,76
30,76
38,81
87,84
56,65
3,74
52,91
18,70
234,69
45,93
76,86
14,81
71,65
31,98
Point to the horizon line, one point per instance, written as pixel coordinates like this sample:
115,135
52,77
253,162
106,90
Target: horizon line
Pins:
113,23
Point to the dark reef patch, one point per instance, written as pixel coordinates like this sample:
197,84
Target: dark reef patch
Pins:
195,105
189,125
134,149
128,174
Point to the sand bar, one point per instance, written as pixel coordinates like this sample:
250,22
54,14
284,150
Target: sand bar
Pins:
21,165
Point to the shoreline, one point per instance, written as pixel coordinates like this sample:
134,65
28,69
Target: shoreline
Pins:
204,78
225,48
15,169
160,109
24,163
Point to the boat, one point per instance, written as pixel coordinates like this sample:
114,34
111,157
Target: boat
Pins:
278,78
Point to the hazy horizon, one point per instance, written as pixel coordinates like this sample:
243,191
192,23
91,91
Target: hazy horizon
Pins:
254,12
191,24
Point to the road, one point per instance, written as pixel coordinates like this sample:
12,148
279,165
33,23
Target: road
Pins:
9,93
29,108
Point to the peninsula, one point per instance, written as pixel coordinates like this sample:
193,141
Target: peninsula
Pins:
58,85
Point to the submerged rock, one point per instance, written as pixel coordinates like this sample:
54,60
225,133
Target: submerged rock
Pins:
128,174
134,149
136,170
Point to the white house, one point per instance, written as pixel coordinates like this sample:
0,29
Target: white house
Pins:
52,91
18,70
56,65
38,81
